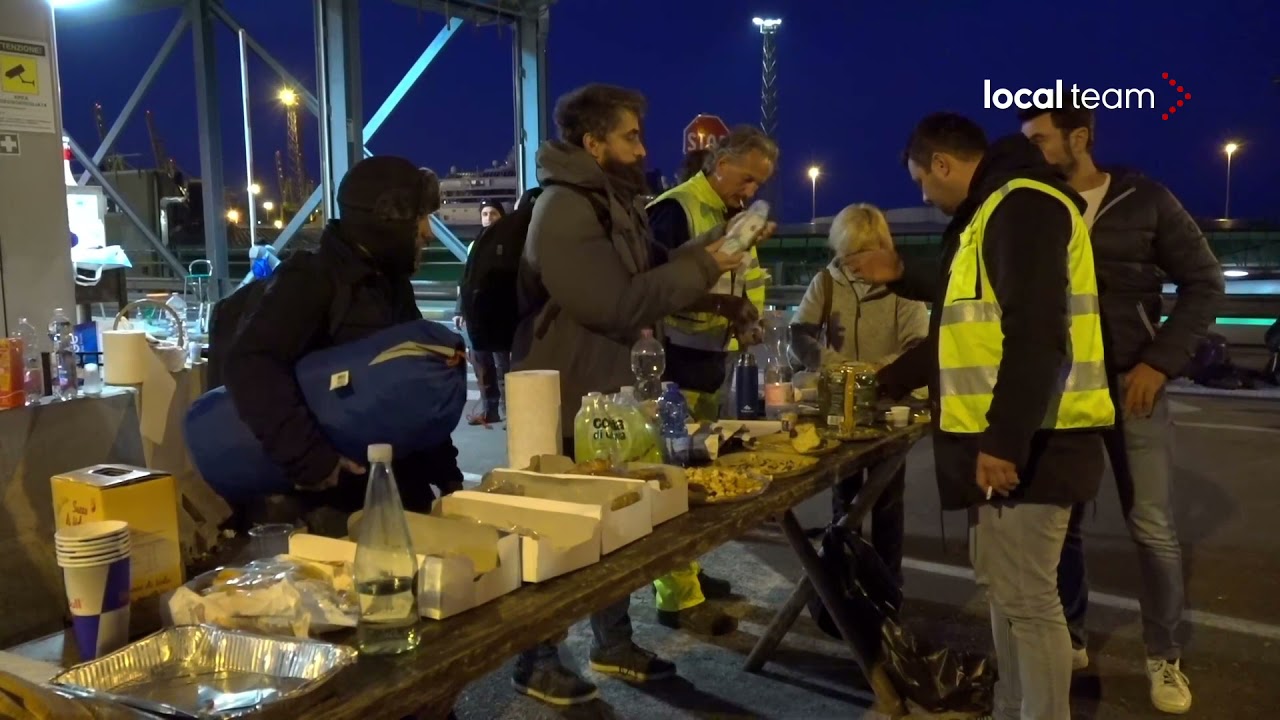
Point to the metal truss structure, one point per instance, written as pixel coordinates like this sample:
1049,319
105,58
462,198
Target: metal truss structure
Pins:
337,101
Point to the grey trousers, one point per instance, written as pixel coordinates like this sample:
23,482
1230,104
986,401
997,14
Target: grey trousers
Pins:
1014,550
1141,455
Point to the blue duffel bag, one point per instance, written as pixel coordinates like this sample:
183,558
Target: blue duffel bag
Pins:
406,386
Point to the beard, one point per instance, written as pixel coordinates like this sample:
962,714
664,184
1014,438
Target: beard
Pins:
1070,165
628,179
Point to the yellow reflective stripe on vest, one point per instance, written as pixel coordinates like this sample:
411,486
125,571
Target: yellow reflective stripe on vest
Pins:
971,342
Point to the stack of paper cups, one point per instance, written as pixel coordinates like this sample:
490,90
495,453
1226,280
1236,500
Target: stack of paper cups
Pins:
94,558
533,416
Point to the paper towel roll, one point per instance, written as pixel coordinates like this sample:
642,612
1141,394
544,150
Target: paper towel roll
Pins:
125,355
533,416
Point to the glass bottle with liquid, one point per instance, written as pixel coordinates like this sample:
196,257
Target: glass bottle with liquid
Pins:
386,567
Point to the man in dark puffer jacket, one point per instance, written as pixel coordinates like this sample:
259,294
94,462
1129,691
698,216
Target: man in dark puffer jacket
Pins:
1141,237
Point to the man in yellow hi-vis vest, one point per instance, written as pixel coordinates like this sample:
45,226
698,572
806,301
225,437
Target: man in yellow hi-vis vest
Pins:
1016,371
698,342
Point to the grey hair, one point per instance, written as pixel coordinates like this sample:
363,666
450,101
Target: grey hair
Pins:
742,140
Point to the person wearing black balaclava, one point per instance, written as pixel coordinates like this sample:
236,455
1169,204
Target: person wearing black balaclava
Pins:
373,250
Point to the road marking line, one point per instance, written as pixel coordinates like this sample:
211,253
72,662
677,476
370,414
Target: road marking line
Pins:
1195,617
1220,426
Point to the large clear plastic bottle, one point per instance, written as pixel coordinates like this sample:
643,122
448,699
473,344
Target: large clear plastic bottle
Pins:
779,395
64,362
33,376
386,567
673,413
644,438
648,361
594,436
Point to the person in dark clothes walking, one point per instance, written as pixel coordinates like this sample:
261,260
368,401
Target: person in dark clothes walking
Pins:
1016,373
1142,237
490,367
373,250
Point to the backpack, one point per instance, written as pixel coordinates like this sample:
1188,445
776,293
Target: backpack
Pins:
487,297
228,315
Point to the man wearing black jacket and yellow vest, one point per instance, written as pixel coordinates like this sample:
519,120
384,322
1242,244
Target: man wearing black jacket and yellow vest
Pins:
1016,371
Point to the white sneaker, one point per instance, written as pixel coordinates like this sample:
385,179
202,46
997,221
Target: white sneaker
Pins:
1170,689
1079,659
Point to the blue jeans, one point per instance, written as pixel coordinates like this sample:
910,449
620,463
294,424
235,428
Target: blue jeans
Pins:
611,628
1141,453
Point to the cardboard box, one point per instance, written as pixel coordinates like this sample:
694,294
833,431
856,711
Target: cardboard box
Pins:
462,563
663,504
146,499
618,527
555,537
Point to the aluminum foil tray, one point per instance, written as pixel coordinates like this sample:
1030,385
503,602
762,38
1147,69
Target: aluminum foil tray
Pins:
201,671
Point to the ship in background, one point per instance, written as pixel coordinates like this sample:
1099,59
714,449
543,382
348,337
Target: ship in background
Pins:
462,194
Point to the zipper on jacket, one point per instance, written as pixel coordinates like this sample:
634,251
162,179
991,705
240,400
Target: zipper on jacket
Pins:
1113,202
1146,321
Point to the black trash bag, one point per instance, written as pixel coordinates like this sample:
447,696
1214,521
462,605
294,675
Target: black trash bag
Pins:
866,588
937,680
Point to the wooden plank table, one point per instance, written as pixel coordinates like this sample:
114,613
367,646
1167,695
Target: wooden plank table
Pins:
469,646
453,652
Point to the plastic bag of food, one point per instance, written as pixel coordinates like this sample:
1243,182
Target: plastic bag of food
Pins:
277,596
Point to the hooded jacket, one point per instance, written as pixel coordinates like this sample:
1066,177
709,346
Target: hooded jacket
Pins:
374,260
868,323
585,292
1025,253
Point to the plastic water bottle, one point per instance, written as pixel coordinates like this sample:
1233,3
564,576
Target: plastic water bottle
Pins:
648,361
673,412
386,566
644,437
595,435
33,375
65,347
778,397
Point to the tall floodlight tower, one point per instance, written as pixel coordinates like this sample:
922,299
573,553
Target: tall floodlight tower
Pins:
769,96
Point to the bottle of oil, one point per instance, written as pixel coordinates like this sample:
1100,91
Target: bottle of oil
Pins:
386,567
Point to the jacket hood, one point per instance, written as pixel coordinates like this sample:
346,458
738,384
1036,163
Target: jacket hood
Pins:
1014,156
560,162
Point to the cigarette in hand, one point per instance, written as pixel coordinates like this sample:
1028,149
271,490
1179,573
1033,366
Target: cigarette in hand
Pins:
989,489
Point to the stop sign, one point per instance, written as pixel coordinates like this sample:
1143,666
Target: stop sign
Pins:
705,131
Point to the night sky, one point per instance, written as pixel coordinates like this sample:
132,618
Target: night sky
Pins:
854,77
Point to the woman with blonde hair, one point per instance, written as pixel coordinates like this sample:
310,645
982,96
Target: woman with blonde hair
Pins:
844,318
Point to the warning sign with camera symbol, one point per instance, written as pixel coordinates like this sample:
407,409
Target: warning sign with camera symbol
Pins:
26,87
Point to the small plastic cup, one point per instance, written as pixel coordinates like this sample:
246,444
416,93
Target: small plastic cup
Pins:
268,540
900,416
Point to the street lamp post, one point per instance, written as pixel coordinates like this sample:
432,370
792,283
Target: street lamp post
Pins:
1230,149
814,172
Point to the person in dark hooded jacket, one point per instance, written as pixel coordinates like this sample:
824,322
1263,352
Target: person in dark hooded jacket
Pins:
385,204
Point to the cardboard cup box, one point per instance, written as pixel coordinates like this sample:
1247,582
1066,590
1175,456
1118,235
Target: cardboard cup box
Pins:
555,537
146,499
618,527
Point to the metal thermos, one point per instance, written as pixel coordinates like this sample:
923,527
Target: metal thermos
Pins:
746,384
